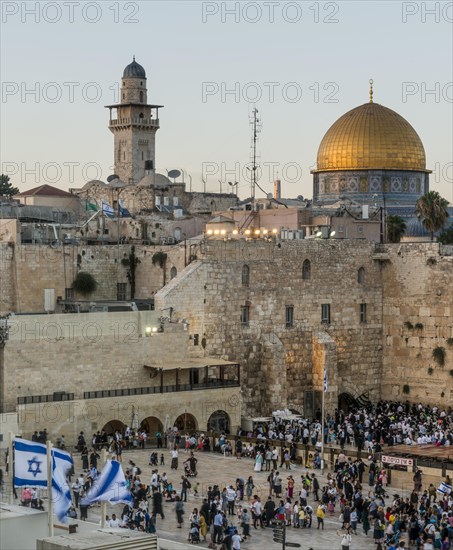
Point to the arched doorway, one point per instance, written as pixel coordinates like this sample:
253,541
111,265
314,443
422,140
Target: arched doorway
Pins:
345,401
152,425
186,423
112,426
219,421
173,272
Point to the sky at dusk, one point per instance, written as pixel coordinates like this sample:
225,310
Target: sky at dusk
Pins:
301,64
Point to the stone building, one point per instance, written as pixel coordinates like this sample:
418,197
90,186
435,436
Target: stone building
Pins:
135,184
287,310
371,151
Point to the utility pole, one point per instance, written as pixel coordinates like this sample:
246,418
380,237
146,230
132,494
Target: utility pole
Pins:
256,126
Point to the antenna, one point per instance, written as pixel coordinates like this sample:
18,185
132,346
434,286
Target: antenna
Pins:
256,129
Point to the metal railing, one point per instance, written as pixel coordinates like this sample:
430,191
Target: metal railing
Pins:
57,396
212,384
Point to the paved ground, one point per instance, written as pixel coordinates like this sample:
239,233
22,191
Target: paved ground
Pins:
220,470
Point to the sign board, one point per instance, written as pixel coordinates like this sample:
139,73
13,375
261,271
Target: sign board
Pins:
397,460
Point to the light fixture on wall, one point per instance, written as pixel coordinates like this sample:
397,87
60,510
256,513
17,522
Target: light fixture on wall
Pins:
150,331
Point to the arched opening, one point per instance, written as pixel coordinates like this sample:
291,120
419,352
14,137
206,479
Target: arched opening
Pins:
177,233
186,423
113,426
173,272
219,421
361,276
141,115
152,425
306,270
245,275
345,402
141,97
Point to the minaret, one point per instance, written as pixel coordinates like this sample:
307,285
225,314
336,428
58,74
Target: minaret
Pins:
134,124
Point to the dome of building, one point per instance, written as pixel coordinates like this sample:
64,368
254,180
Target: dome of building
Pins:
415,228
134,70
371,137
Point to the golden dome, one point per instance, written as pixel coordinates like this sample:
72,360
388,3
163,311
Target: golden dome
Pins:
371,137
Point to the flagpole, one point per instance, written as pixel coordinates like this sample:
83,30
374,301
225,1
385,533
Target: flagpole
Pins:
49,487
11,468
103,504
322,425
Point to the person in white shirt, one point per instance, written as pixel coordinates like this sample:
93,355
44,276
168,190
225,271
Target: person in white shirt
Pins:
236,540
114,522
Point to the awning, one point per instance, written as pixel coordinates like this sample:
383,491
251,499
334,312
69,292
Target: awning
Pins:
194,363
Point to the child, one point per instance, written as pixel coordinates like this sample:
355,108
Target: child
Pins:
239,512
162,460
195,489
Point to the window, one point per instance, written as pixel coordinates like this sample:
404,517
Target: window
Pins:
166,201
173,272
141,97
245,275
69,294
306,270
196,339
245,315
363,313
175,201
360,229
325,314
157,201
289,316
361,276
121,292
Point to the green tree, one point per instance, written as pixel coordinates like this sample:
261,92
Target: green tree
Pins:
84,283
131,262
6,188
396,228
432,210
446,237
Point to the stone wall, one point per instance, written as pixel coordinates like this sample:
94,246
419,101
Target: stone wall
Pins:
213,295
417,318
89,415
26,270
77,353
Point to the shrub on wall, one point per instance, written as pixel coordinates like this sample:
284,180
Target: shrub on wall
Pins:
406,388
84,283
409,325
439,356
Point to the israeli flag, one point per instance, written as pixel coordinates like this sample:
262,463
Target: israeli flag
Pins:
124,212
61,494
109,487
444,488
325,380
108,210
30,463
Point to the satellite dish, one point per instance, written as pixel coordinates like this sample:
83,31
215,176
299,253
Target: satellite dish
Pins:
270,196
300,197
174,174
113,177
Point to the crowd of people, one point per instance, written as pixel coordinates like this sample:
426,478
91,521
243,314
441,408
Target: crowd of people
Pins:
368,427
355,492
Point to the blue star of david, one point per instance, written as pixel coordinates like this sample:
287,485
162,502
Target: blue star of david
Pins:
34,466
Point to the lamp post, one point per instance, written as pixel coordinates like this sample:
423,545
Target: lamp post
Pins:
4,330
119,186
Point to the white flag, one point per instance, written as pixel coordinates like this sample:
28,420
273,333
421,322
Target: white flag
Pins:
109,487
30,463
61,494
444,488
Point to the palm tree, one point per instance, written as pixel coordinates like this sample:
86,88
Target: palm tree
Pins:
432,210
396,228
